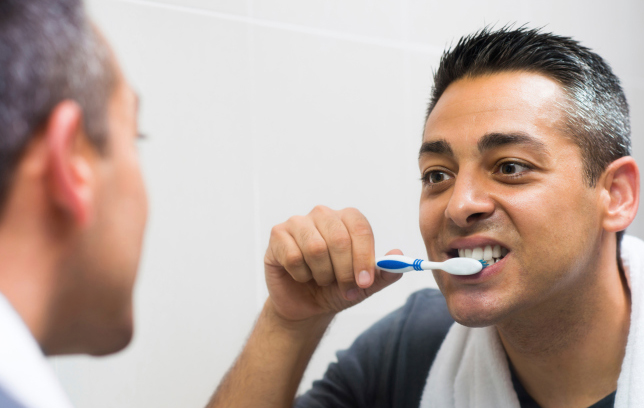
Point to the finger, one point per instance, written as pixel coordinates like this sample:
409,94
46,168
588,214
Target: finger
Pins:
362,246
313,248
382,279
338,241
287,253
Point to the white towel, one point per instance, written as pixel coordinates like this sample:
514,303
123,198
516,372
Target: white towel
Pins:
460,376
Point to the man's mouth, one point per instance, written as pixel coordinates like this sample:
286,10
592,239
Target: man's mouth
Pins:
488,253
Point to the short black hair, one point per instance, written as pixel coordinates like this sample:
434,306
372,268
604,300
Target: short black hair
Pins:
49,52
597,115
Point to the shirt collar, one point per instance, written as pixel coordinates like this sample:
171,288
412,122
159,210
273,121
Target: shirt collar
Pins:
25,374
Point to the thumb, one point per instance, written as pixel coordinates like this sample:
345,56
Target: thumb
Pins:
382,279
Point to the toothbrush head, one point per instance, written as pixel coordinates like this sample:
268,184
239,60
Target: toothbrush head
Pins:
485,264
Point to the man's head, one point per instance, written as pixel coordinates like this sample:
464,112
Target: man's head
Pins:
596,111
72,196
48,53
525,147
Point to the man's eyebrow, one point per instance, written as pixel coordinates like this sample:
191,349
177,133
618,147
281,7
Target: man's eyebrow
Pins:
436,147
493,140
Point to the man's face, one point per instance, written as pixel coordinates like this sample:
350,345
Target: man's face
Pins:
108,257
498,169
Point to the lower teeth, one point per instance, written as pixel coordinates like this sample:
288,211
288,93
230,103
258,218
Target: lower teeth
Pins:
492,261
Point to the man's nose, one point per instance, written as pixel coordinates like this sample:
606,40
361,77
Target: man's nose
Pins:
470,201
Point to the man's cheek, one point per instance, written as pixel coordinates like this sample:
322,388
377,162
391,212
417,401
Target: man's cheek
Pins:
428,232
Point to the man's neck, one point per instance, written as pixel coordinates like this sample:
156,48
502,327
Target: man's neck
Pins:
28,278
569,352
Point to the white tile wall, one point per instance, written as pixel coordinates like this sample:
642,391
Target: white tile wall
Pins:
259,110
231,7
373,18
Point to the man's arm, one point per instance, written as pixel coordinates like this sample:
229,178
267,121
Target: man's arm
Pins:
269,369
315,266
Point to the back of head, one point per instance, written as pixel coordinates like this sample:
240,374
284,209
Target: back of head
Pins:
596,109
49,52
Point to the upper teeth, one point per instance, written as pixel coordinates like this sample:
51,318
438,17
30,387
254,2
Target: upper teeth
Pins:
488,253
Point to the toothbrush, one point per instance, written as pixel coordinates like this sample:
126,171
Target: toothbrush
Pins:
455,266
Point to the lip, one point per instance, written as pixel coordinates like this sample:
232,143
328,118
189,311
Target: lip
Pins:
477,241
474,242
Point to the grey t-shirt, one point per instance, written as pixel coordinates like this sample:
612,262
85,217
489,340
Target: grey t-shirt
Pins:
387,365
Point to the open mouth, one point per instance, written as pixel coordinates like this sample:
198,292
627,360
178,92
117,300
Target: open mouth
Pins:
489,253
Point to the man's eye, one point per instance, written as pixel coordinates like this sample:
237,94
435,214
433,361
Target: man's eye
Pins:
512,168
435,177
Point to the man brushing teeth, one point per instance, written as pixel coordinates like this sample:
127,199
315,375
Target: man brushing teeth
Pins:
491,254
525,163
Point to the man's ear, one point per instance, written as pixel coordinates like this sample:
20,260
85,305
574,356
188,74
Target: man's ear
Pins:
621,183
70,173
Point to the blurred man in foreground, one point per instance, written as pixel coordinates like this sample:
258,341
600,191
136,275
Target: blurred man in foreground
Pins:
73,201
525,162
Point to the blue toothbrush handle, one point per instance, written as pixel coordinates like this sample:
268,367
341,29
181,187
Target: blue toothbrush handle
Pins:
399,264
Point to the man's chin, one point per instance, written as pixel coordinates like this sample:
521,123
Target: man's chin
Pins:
474,321
114,342
92,340
473,312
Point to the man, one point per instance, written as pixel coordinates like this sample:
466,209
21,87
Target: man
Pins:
73,201
525,163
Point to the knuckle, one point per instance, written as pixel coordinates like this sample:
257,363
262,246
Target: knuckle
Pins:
320,209
301,278
352,211
362,230
296,220
293,260
341,241
277,230
356,218
317,249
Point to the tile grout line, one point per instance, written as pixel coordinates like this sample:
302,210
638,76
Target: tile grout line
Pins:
319,32
258,264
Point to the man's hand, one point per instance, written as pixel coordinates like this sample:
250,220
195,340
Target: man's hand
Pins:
322,263
315,266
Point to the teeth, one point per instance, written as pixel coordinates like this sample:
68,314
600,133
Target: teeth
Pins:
490,254
487,252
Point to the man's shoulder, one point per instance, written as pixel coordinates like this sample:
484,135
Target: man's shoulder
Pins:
388,364
424,321
423,316
405,344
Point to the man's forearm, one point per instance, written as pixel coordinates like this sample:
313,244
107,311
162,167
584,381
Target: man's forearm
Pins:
269,369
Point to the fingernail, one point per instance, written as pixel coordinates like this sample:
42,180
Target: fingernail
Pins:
352,294
364,279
